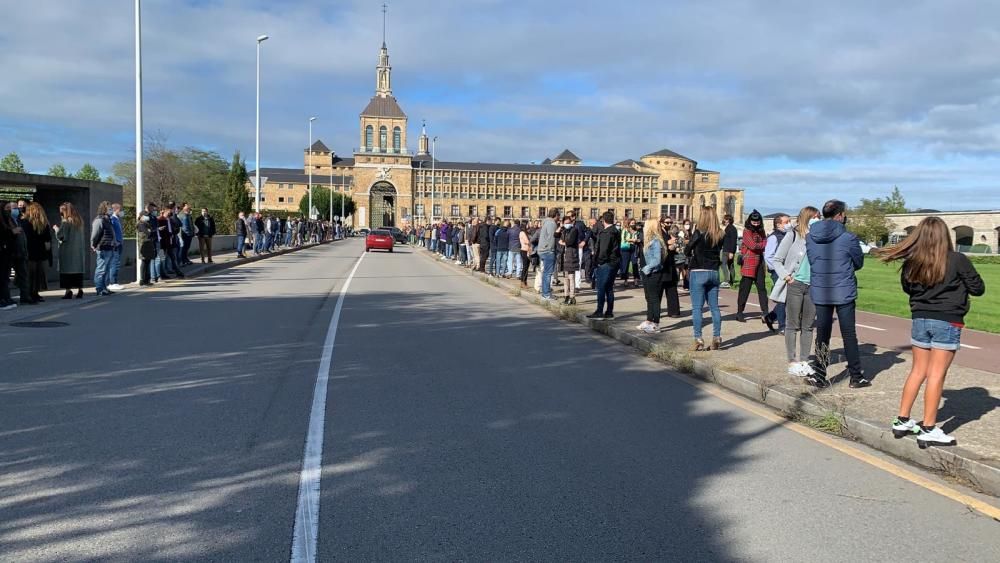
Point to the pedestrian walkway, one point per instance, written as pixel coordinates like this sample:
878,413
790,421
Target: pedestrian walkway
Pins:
54,305
756,358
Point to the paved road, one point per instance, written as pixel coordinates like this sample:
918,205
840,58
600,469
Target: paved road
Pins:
460,424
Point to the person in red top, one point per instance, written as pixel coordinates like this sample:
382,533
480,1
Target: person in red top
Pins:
752,268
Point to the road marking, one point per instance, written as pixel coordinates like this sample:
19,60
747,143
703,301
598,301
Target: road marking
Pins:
93,305
970,347
869,327
829,441
306,530
51,317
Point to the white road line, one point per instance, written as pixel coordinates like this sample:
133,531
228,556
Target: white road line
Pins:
306,530
870,327
970,347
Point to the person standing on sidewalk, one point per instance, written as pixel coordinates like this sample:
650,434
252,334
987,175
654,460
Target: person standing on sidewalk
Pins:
7,241
205,226
704,250
607,255
186,233
547,252
483,236
659,275
145,232
102,242
752,268
834,256
629,248
939,282
570,258
241,234
792,288
729,243
116,254
780,226
524,242
39,238
503,250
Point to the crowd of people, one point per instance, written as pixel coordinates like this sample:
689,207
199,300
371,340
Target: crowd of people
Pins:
811,260
29,244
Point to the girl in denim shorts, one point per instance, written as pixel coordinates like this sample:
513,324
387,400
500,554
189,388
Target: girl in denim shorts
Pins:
939,282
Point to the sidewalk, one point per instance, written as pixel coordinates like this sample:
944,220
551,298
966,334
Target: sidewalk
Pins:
752,362
54,304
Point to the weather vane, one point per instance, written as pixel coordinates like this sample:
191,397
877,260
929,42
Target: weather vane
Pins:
385,9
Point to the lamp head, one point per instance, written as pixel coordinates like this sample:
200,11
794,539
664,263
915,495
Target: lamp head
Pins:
311,119
261,38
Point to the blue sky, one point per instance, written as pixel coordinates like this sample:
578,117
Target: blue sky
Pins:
794,101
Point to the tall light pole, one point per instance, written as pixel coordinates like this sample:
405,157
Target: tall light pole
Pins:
330,216
260,39
310,188
433,175
139,204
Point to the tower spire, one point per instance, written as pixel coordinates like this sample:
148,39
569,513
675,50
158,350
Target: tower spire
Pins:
383,73
385,10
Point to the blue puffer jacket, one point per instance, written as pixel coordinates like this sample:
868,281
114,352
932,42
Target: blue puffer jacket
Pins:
834,255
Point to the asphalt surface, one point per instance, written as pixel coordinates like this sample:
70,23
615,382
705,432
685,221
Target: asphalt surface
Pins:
461,424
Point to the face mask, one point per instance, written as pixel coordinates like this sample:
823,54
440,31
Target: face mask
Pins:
813,221
788,227
15,212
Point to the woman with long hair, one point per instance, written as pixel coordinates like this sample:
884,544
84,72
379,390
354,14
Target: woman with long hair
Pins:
683,234
704,251
753,267
659,275
72,250
939,282
629,248
39,235
569,258
792,289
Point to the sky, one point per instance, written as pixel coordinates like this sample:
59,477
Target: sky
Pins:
794,101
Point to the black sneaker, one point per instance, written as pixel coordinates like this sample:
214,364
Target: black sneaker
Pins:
818,368
818,380
859,382
609,315
595,316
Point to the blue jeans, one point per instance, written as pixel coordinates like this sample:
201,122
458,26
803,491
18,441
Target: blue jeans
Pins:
156,265
605,277
779,308
626,261
705,286
102,270
514,269
548,260
241,241
258,242
173,263
501,263
116,264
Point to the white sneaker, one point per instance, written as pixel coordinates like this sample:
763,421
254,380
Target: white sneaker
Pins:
651,329
8,307
643,325
116,287
795,368
935,437
902,429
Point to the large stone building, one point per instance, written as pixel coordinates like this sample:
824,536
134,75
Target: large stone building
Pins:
392,186
971,231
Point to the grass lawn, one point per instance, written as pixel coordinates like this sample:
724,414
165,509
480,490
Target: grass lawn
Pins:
879,292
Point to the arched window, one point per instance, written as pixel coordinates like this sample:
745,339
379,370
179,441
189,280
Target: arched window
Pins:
714,201
731,205
702,201
383,141
397,139
369,138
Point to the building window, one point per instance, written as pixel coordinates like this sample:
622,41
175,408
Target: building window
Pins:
473,211
508,211
594,212
455,210
291,200
419,209
525,212
673,184
383,138
369,138
645,214
404,211
491,211
704,177
397,139
281,200
628,213
714,201
541,212
437,209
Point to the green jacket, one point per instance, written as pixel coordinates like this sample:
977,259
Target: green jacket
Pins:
72,249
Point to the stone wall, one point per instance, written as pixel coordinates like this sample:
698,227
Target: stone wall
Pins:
979,227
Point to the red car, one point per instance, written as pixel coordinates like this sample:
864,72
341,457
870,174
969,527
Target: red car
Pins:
379,239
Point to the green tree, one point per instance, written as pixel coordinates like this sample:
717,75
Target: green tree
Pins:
869,222
12,163
895,203
88,172
58,170
321,201
236,197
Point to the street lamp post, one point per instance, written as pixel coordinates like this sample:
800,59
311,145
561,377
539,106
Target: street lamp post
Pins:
260,39
330,216
433,175
310,210
139,204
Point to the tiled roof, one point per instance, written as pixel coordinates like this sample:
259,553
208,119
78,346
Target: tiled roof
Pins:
383,107
567,155
318,146
547,168
297,176
669,153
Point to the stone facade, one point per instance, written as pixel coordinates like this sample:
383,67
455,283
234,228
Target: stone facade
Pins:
392,186
968,228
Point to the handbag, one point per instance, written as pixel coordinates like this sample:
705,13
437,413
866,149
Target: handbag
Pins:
739,260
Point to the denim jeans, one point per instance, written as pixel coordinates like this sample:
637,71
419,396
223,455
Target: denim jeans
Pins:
258,243
705,286
501,263
156,265
173,264
848,332
102,270
185,241
240,243
605,277
514,268
548,265
116,264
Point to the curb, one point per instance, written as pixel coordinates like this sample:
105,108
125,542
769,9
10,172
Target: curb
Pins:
955,461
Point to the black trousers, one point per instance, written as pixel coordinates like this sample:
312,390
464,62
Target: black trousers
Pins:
848,333
654,287
484,254
745,284
524,267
